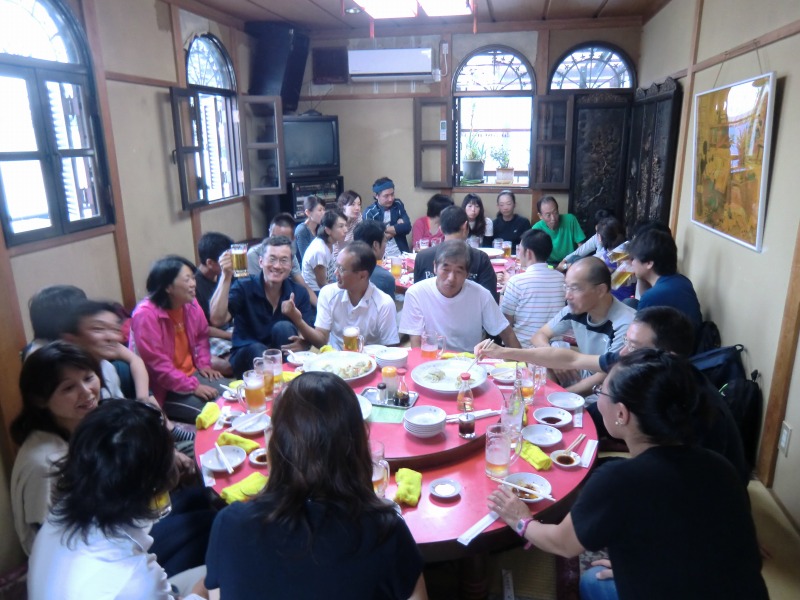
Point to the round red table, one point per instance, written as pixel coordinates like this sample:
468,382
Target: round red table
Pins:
436,524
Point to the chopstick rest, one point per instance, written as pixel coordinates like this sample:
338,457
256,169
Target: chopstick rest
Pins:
469,535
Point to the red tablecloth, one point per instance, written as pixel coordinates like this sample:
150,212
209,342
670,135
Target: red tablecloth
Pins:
433,522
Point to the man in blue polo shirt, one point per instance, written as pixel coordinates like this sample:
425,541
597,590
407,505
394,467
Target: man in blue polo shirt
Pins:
255,302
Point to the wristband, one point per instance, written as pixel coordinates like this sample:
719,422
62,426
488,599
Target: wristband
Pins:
521,527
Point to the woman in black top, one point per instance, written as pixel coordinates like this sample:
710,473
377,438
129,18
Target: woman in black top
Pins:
509,226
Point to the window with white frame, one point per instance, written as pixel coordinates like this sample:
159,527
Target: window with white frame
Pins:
53,170
493,92
593,66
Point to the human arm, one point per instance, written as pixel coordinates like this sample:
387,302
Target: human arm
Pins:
317,337
509,337
321,275
218,307
415,341
312,295
552,358
418,231
141,380
223,334
412,318
420,592
541,339
584,386
403,224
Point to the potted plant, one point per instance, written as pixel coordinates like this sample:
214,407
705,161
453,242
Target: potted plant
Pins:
504,173
472,160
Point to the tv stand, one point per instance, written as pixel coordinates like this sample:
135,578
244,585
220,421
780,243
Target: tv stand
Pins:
327,187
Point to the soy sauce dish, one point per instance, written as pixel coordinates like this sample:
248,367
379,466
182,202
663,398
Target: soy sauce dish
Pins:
550,415
566,460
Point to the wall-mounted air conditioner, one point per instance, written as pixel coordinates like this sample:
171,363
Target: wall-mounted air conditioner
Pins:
399,64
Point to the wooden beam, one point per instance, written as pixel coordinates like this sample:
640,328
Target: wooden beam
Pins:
781,374
177,46
61,240
138,80
206,11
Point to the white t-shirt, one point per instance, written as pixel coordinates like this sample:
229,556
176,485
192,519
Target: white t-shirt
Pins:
318,254
112,384
489,231
375,315
100,568
461,319
533,298
391,246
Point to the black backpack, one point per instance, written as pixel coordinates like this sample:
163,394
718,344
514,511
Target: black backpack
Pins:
707,337
721,365
745,400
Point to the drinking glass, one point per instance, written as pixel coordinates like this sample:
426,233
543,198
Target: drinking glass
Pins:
539,378
500,450
497,243
424,243
525,373
252,392
397,266
432,346
274,357
265,369
352,340
239,260
380,468
506,246
161,504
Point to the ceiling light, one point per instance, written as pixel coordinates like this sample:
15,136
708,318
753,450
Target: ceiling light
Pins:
446,8
352,10
389,9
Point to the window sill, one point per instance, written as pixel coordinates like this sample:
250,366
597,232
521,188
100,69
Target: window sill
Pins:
62,240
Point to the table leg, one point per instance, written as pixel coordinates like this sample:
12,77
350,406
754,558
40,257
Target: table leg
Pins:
473,580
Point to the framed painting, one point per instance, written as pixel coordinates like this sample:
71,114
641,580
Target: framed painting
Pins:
732,132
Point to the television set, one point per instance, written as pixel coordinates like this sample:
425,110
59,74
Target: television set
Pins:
311,145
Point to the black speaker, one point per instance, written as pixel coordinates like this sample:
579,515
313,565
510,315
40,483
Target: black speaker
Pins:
279,61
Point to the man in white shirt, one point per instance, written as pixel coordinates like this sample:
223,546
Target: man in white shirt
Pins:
353,301
533,297
451,305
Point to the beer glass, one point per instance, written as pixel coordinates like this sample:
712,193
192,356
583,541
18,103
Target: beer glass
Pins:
161,505
265,369
497,243
525,373
239,260
506,246
501,452
432,346
397,266
252,392
380,468
352,340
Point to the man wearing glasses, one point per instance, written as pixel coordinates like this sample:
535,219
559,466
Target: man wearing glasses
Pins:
597,319
353,301
255,301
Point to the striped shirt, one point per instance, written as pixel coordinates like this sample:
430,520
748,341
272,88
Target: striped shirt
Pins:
533,298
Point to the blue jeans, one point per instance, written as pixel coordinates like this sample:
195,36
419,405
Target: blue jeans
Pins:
242,358
593,588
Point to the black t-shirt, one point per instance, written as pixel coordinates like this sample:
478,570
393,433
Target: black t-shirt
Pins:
677,524
480,268
204,292
249,559
511,231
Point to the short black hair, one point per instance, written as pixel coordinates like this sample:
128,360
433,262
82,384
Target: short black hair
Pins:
48,309
329,221
657,246
364,256
437,203
212,245
672,329
450,249
643,225
610,231
120,457
162,274
370,231
544,200
282,220
311,202
87,308
274,240
538,242
597,272
452,219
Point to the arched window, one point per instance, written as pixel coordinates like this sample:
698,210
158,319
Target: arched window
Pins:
53,170
206,128
593,66
493,90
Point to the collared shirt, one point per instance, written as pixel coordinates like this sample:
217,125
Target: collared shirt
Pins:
254,315
565,238
533,298
375,315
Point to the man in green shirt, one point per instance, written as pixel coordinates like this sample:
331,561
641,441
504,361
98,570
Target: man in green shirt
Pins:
564,230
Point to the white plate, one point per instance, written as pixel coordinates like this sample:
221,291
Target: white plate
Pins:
504,374
228,418
566,400
445,488
300,358
347,365
423,434
373,349
576,459
492,252
234,454
500,262
450,370
255,458
538,480
250,425
543,436
551,412
366,406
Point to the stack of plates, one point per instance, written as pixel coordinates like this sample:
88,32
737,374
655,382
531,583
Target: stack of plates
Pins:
392,357
424,421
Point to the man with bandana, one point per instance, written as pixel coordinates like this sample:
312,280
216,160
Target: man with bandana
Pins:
390,210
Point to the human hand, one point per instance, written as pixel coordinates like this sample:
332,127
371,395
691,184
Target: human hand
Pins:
606,573
184,464
226,264
486,348
508,506
210,373
389,232
562,266
206,392
289,308
297,344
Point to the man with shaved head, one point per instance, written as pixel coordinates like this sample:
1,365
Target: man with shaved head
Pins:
597,319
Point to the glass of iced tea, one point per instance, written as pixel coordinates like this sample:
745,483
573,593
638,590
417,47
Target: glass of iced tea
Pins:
397,266
239,260
432,346
252,392
380,468
261,366
274,358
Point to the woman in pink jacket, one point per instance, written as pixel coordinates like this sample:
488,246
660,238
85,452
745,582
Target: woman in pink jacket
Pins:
170,332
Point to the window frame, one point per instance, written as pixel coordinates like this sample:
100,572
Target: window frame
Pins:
37,73
592,44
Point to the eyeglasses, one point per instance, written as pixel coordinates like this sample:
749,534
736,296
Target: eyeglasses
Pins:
629,344
284,262
578,289
341,270
598,389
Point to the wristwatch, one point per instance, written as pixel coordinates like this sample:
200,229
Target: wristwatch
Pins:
522,526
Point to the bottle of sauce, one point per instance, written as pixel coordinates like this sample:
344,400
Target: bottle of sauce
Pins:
465,399
401,395
389,375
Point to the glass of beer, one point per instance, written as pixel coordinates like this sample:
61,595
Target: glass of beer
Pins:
501,450
525,374
239,260
380,468
161,504
506,249
262,367
274,359
397,266
352,340
252,392
432,346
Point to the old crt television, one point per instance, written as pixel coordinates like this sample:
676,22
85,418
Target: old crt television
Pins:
311,145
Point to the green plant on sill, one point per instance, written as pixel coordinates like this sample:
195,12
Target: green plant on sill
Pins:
474,149
500,154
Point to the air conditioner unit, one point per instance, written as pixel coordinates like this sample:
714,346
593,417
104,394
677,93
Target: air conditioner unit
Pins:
398,64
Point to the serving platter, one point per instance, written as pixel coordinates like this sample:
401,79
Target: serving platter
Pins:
347,365
443,376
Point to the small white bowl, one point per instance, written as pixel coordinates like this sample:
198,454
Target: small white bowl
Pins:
299,358
445,488
560,459
543,436
550,415
530,478
425,416
258,458
504,374
566,400
373,349
501,262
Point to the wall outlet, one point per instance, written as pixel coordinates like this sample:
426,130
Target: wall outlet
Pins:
783,441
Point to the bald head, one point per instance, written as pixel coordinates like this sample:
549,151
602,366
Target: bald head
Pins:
592,271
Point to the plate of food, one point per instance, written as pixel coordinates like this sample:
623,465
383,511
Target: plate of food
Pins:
347,365
444,376
535,483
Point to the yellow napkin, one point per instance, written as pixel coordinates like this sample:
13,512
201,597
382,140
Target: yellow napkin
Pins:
208,416
326,348
409,486
245,489
234,385
534,455
289,375
457,354
506,365
231,439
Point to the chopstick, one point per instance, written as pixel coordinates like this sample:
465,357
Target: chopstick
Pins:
484,344
223,459
245,422
576,443
537,490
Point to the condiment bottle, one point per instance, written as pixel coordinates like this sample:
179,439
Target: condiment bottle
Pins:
389,375
382,397
465,399
401,396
